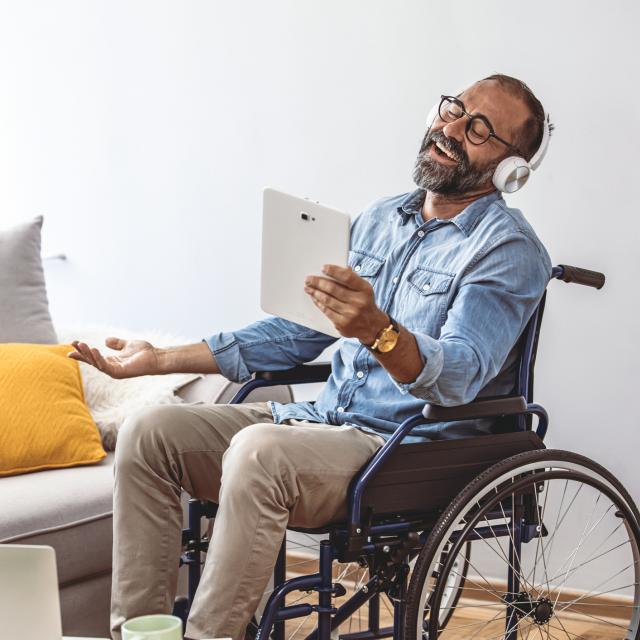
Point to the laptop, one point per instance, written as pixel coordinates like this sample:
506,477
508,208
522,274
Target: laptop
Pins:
29,600
298,237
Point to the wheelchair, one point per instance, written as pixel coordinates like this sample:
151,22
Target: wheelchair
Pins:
486,537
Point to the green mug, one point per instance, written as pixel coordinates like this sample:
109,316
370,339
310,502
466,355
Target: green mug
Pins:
153,627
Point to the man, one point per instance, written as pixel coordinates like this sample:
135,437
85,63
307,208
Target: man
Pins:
441,284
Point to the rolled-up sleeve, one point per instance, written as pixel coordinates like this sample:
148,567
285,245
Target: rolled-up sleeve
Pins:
497,296
271,344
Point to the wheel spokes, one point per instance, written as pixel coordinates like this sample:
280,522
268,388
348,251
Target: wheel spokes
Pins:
548,604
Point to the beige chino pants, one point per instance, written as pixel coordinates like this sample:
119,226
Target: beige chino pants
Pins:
263,476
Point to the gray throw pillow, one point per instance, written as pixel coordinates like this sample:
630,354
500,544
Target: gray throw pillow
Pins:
24,308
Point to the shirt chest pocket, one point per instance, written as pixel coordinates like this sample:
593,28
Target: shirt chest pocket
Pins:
422,302
428,282
365,265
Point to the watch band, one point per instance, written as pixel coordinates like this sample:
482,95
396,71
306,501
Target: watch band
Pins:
393,325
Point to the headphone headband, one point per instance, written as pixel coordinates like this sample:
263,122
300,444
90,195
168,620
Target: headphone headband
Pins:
544,144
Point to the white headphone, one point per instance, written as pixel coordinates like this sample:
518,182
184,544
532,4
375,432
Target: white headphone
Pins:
513,172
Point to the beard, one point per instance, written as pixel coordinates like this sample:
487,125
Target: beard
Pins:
443,179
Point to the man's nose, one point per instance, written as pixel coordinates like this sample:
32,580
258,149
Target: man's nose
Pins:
455,129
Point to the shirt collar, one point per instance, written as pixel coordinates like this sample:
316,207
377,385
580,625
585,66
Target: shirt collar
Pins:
411,205
465,220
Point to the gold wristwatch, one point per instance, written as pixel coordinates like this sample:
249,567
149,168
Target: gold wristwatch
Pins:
387,339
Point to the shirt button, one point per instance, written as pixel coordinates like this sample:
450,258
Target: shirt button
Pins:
426,287
357,267
395,280
340,409
421,234
360,374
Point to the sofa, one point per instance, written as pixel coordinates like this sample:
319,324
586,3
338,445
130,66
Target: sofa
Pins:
71,510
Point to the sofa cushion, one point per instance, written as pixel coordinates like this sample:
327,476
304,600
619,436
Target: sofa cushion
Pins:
24,312
44,421
69,509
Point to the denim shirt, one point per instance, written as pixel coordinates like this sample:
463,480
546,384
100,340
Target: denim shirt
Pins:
465,287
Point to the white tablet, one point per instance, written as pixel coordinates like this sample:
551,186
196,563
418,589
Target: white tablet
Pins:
298,237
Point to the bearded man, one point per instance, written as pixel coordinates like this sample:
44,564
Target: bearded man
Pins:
441,284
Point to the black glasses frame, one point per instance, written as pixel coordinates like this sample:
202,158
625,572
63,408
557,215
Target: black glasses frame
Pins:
470,121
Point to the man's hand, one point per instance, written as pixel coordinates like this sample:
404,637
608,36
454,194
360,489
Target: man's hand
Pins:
136,358
348,301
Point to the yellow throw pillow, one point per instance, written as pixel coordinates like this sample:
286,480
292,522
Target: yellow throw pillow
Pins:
44,422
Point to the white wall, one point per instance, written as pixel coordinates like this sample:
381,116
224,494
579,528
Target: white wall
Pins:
145,130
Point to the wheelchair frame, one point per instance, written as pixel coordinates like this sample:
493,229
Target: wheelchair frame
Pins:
383,540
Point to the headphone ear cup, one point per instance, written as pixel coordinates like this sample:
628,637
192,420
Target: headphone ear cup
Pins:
511,174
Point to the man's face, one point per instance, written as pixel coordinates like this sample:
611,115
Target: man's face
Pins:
448,163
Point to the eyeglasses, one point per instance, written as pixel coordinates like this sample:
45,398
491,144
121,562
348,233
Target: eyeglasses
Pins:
478,129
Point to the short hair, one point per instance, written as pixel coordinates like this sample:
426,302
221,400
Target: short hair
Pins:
530,135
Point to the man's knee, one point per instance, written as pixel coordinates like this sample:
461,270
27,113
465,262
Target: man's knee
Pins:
256,453
147,432
255,440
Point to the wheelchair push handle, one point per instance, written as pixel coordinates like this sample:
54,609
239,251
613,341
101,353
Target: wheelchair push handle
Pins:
567,273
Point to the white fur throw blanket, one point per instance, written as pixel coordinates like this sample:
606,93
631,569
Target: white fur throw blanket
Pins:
111,401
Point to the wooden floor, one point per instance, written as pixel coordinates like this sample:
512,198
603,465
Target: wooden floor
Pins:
477,619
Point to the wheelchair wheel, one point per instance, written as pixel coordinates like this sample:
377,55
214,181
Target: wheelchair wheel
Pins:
453,585
556,554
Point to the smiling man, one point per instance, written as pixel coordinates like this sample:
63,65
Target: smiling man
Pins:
441,284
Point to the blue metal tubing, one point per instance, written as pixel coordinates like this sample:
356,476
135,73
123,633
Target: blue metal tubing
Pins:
524,371
385,632
302,583
543,418
374,611
325,594
258,383
279,577
294,611
195,515
513,577
376,462
351,606
246,389
390,529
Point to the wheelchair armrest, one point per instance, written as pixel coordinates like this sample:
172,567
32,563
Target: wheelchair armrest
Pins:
489,408
303,373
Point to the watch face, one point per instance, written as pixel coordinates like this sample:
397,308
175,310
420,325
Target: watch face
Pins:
387,340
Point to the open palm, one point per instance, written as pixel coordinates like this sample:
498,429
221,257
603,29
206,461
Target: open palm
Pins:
134,357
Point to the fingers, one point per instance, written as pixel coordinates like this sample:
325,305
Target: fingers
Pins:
84,353
326,300
328,311
115,343
100,361
344,275
334,289
75,355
